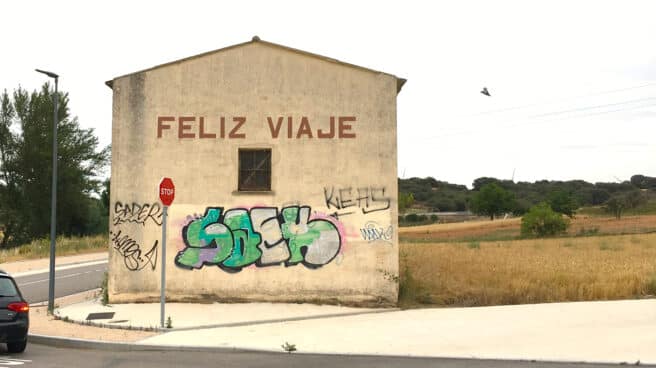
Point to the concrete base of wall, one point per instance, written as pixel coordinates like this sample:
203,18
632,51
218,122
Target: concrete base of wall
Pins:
355,300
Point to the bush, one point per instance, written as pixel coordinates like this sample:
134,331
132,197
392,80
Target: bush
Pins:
104,293
541,221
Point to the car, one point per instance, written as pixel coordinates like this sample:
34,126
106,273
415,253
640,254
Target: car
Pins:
14,315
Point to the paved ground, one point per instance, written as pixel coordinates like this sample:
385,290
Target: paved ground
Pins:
68,280
614,332
622,331
45,357
187,315
21,268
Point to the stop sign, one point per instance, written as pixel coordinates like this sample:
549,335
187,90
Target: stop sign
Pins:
166,191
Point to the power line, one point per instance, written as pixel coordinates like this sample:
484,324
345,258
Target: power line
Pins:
591,107
469,132
562,99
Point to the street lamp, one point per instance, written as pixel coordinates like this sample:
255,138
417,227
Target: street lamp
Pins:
53,206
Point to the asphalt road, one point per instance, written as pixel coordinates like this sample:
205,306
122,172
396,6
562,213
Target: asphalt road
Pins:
45,356
69,281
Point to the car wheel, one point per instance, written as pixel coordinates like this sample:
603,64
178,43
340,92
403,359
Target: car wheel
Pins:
17,347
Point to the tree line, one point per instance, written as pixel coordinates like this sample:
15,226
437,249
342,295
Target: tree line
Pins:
491,196
26,120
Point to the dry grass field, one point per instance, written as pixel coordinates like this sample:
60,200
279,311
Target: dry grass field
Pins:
528,271
509,229
40,248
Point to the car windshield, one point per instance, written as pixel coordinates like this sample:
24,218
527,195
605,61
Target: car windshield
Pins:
7,287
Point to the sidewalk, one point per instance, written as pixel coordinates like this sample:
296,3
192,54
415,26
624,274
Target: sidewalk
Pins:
610,332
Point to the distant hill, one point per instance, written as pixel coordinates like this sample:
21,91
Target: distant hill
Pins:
433,195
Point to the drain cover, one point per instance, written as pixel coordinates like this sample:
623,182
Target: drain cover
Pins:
103,315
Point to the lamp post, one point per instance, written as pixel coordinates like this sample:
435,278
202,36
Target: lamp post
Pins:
53,206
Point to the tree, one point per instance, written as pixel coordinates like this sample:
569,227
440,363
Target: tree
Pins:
492,200
563,202
542,221
643,182
406,200
633,198
26,167
616,206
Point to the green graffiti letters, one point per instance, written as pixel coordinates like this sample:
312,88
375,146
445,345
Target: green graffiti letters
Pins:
260,236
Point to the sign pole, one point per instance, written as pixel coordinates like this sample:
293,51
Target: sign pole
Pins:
162,298
166,192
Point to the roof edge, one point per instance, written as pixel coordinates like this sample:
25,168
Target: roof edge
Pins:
399,81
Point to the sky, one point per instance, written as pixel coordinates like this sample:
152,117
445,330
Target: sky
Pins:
572,83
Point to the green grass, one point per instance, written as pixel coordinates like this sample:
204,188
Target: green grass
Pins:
606,245
647,208
650,286
40,248
474,245
498,235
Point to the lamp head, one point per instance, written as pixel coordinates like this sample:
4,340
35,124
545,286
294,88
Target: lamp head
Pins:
50,74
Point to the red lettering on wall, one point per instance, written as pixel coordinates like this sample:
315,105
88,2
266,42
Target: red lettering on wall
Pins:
338,127
275,131
161,126
331,133
222,127
201,125
304,128
182,127
240,120
345,128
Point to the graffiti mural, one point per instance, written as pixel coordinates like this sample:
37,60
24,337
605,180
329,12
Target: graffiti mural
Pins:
372,231
347,200
260,236
133,256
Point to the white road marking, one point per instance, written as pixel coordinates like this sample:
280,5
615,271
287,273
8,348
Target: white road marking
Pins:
60,268
6,362
56,278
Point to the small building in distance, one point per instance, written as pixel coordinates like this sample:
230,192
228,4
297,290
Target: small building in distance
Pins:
285,171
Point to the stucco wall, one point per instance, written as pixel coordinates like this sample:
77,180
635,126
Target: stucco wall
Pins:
344,189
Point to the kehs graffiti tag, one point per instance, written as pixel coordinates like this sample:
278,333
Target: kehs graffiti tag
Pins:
347,200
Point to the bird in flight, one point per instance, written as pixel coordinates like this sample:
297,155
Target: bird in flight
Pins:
485,92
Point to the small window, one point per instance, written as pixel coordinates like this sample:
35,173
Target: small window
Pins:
254,170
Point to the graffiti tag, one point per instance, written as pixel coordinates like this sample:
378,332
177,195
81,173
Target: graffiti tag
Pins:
137,213
261,236
372,232
367,199
132,253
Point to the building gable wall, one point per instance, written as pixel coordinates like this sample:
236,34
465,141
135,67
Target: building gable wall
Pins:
327,229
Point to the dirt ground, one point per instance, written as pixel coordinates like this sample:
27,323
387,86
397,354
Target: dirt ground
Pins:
43,324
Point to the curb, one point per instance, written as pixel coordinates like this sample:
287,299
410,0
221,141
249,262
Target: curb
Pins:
58,315
74,343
